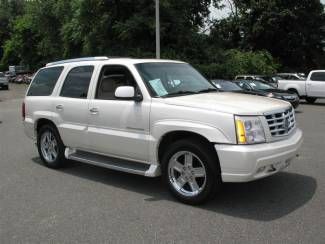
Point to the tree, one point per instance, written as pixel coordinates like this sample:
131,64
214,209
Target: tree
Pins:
289,30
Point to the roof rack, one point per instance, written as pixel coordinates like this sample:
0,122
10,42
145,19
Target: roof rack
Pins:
78,60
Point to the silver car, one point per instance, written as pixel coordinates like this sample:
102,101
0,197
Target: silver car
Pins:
4,83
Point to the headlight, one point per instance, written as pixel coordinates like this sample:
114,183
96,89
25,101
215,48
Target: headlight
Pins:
270,95
249,130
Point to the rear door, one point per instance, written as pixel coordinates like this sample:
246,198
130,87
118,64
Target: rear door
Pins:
316,84
71,106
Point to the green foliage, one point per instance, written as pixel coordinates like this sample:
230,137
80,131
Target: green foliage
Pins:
36,32
237,62
292,31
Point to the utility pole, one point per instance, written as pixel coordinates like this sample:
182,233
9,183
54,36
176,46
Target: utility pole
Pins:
157,31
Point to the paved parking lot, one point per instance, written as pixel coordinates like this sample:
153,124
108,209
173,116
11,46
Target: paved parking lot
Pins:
83,203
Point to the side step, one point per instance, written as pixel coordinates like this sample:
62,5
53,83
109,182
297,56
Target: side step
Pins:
113,163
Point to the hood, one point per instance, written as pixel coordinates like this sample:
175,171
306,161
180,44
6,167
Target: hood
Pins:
228,102
253,92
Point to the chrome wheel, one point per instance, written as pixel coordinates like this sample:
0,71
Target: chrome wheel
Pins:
49,146
187,173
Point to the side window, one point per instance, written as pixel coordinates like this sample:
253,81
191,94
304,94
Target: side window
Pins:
111,77
77,82
44,82
318,76
244,86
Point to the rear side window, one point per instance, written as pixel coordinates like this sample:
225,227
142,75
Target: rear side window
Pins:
77,82
318,76
44,82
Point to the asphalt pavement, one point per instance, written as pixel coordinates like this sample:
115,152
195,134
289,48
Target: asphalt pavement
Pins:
83,203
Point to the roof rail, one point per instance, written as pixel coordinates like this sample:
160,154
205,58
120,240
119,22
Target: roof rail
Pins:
77,60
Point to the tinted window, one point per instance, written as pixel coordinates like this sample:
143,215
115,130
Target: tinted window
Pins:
227,86
318,76
257,85
112,77
244,86
44,82
76,83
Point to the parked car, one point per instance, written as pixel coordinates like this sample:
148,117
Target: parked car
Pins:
28,78
263,89
4,82
292,76
21,78
272,80
227,86
310,89
157,117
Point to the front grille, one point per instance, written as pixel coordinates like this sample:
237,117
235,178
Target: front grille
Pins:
281,123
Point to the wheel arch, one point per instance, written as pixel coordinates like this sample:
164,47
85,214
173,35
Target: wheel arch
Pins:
173,136
294,90
41,122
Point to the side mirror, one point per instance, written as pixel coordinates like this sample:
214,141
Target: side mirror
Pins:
128,93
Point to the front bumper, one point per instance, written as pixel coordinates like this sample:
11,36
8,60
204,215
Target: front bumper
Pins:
243,163
4,84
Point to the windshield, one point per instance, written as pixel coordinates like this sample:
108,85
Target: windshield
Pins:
226,85
173,79
257,85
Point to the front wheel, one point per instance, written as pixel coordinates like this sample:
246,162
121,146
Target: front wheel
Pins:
50,147
192,172
311,100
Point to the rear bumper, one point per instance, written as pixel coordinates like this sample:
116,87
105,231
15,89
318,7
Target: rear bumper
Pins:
243,163
29,128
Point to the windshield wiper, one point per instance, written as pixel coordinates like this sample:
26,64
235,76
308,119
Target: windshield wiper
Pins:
208,90
179,93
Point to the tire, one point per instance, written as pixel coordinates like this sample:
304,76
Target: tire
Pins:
50,147
294,92
6,88
310,100
181,181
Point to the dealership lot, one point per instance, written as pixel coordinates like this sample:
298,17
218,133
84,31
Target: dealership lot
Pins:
83,203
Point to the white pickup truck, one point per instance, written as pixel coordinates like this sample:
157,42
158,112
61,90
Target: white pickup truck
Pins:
157,117
310,89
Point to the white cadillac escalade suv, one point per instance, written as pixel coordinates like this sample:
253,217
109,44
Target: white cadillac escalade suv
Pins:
157,117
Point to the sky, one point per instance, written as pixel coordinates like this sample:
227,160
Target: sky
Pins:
220,14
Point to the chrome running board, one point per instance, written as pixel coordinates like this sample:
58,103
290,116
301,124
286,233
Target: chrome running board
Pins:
132,167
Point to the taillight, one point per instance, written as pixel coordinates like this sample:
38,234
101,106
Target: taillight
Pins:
23,110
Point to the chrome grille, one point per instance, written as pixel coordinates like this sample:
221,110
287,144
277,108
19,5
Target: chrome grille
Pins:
281,123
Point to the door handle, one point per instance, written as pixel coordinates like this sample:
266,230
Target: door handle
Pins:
94,110
59,107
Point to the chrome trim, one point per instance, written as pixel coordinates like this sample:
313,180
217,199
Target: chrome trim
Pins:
281,123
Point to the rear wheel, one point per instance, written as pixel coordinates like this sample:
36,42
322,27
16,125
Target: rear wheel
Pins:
191,170
311,100
50,147
294,92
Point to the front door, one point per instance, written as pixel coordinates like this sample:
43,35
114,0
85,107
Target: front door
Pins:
118,127
316,84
